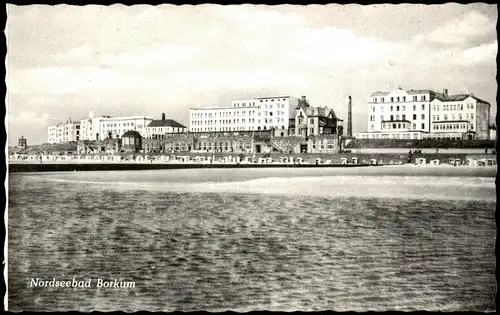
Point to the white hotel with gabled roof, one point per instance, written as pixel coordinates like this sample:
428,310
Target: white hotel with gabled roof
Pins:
245,115
419,114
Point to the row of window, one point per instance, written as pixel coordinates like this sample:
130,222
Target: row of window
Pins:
453,107
460,117
403,117
452,126
239,128
399,126
398,108
235,121
401,99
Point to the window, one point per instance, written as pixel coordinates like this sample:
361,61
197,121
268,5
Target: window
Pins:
392,108
471,116
461,106
423,125
392,117
423,97
423,106
397,99
414,126
471,126
392,99
311,131
381,117
397,108
414,107
423,116
433,117
373,108
414,116
399,125
404,108
415,98
471,106
375,100
393,126
404,98
445,116
382,100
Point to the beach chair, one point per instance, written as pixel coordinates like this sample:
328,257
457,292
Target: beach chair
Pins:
343,161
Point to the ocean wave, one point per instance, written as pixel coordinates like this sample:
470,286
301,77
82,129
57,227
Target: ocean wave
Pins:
411,187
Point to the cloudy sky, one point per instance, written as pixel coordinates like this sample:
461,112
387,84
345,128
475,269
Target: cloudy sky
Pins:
64,61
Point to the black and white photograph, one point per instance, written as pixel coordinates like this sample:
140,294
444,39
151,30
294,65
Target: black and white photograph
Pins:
210,157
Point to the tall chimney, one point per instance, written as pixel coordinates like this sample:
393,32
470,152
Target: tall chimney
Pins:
349,118
162,116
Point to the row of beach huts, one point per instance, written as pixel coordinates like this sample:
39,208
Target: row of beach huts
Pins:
230,159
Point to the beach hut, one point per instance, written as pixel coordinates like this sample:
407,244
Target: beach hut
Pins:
451,161
237,159
420,161
491,162
318,161
269,160
435,162
354,160
281,159
262,160
343,161
328,162
291,160
482,162
373,161
457,162
299,160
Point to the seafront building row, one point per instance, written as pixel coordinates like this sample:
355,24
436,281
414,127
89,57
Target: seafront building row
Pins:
285,124
421,114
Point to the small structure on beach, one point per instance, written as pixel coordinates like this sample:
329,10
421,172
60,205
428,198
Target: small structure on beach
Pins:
131,141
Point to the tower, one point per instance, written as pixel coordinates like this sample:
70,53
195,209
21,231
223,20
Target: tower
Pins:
349,118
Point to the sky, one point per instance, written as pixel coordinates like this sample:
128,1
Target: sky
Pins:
64,61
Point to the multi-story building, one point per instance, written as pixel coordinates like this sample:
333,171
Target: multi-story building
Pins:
461,116
114,127
418,114
64,132
97,128
159,128
314,120
245,115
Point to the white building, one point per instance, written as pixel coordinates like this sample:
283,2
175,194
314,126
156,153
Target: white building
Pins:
460,116
97,128
64,132
158,129
117,126
245,115
418,114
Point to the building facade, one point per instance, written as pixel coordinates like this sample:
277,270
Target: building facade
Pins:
245,115
160,128
97,128
64,132
460,116
419,114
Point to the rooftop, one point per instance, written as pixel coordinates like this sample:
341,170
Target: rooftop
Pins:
165,123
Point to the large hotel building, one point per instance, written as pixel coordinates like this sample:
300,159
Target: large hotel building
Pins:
103,127
245,115
419,114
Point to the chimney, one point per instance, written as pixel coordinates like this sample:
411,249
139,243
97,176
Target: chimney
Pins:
162,116
349,118
445,92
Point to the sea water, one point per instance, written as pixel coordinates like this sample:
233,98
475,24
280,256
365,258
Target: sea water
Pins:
261,239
